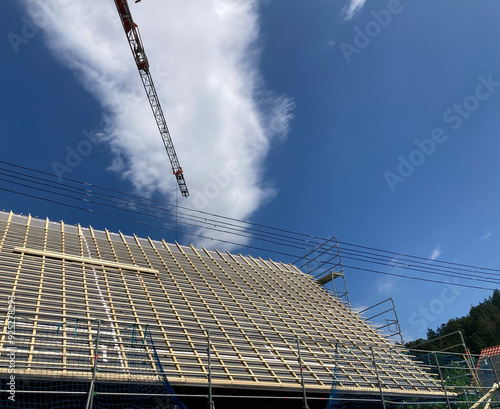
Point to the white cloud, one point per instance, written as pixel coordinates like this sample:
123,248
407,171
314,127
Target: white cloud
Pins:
353,8
205,62
436,253
486,236
387,285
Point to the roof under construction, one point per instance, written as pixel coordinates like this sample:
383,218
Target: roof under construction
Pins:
260,313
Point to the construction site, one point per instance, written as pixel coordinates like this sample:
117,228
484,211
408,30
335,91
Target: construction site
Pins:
106,320
99,319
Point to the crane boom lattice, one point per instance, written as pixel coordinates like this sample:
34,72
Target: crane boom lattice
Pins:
135,42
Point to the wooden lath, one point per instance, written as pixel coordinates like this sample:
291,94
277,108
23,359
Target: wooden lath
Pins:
86,260
255,308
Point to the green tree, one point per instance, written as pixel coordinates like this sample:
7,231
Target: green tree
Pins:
480,328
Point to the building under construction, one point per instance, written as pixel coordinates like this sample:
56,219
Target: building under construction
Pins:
99,319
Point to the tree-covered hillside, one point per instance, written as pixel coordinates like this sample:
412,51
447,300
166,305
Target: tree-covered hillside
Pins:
480,328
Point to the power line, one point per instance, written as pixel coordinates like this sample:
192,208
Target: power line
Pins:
224,241
419,258
80,191
230,242
125,209
88,185
198,226
418,278
346,254
307,238
398,264
140,222
428,272
91,193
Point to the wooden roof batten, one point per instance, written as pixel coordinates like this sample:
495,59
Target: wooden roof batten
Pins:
255,310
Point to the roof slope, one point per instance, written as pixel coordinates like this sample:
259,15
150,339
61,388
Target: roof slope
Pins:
255,311
491,351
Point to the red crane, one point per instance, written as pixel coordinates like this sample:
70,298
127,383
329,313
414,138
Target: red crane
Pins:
135,42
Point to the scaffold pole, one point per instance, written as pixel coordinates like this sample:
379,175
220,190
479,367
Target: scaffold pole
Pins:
304,395
90,399
442,380
210,396
378,378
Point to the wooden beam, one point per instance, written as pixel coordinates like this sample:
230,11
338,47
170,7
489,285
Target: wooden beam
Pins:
80,259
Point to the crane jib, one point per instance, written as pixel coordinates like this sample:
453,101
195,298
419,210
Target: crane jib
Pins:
135,43
125,14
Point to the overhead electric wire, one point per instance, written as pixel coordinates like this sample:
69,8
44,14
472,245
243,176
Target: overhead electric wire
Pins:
345,254
417,257
319,240
291,239
127,203
86,184
435,271
129,210
327,251
93,194
424,271
418,278
317,248
140,213
143,223
224,231
230,242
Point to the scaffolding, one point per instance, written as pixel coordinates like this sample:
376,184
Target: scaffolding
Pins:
82,363
320,257
221,327
461,388
386,311
107,364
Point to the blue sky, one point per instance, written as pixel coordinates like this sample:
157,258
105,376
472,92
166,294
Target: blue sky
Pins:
325,110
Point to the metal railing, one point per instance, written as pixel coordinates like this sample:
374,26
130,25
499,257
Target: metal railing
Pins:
83,361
